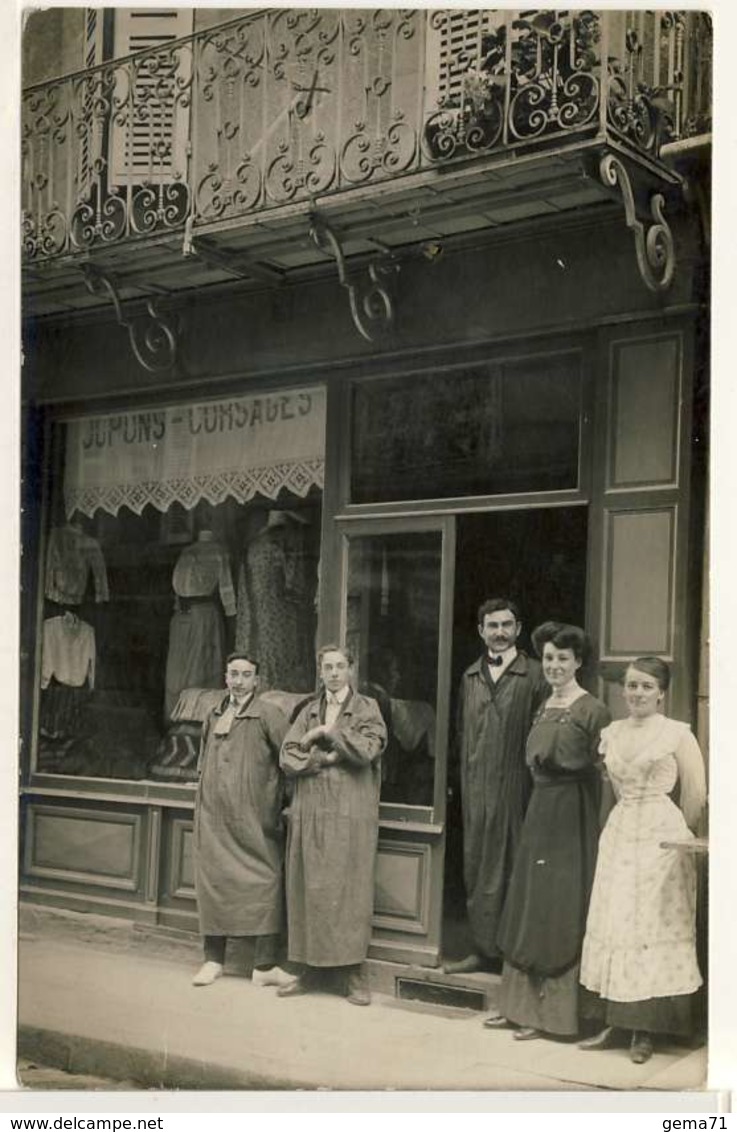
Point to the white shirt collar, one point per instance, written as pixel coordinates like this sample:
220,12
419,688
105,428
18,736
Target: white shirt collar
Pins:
238,708
508,658
337,697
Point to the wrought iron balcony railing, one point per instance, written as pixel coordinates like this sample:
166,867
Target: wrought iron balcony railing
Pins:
281,106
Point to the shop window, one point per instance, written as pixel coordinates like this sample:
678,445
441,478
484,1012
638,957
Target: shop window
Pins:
393,619
175,535
492,429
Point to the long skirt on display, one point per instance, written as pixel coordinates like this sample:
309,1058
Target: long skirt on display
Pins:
196,657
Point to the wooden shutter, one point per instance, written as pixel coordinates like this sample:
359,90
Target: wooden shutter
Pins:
148,141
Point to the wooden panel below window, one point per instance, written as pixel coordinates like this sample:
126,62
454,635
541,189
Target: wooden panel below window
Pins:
93,847
181,870
401,899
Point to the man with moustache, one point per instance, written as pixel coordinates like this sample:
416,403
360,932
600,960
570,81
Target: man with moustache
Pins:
498,698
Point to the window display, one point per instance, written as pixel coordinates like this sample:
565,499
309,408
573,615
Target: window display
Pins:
165,550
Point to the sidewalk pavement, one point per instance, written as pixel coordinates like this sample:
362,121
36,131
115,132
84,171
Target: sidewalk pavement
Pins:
131,1013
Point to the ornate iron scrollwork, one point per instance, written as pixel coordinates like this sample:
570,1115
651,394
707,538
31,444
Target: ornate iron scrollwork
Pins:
654,245
153,340
371,303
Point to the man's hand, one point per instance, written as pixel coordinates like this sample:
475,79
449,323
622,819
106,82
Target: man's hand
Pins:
312,736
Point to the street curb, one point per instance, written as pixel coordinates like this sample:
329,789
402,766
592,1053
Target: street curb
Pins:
143,1068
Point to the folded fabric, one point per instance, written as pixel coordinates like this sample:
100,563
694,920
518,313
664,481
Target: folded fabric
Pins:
176,755
195,704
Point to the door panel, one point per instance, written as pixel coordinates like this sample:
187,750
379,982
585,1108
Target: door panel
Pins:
639,552
397,619
641,566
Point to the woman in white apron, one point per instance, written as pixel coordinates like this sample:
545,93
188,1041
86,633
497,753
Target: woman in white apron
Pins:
638,965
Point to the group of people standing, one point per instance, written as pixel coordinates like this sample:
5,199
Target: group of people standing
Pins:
326,767
589,926
590,915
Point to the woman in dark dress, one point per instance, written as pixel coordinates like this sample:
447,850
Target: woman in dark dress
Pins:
544,916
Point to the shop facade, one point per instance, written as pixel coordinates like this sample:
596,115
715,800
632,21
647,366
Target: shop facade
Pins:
284,456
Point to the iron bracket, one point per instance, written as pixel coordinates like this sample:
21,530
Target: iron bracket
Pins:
656,256
371,302
153,340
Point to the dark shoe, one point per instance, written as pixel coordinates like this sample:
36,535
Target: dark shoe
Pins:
297,986
526,1034
495,1022
641,1049
605,1039
357,988
467,966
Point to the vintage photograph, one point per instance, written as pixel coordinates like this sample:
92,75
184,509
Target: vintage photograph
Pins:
364,531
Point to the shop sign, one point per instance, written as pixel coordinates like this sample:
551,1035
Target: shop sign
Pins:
211,450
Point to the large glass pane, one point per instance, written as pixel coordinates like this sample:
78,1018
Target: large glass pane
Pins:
174,536
393,609
491,429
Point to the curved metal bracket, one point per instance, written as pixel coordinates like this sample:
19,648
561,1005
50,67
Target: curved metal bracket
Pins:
154,340
656,256
371,303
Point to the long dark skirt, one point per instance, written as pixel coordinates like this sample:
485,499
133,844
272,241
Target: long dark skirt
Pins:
545,912
672,1015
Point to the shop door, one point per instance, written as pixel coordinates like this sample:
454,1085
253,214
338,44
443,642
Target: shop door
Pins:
397,613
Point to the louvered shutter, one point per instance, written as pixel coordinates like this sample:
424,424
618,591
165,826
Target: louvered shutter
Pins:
460,47
149,137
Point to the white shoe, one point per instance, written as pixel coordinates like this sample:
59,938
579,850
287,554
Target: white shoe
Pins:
274,977
207,974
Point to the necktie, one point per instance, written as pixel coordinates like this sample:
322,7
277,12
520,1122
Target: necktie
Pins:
495,661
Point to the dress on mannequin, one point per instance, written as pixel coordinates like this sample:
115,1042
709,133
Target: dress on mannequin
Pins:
274,603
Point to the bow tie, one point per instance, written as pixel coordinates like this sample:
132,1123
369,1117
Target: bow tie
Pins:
495,661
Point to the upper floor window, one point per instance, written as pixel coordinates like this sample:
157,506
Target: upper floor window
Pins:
134,121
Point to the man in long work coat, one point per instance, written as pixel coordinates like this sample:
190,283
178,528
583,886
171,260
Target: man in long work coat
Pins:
499,696
332,753
238,833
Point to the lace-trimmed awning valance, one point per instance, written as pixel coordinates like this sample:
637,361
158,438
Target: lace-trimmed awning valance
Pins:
210,450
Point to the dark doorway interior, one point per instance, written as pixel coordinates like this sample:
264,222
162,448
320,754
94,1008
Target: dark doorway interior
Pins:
538,559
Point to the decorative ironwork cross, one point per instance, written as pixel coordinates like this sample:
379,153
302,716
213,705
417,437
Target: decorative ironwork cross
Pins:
303,105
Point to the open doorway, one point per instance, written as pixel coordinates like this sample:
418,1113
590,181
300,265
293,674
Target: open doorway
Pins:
536,557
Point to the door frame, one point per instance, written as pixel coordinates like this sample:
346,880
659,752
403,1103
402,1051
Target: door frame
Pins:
413,833
423,829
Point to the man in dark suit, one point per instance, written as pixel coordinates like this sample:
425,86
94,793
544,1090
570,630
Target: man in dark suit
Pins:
499,696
